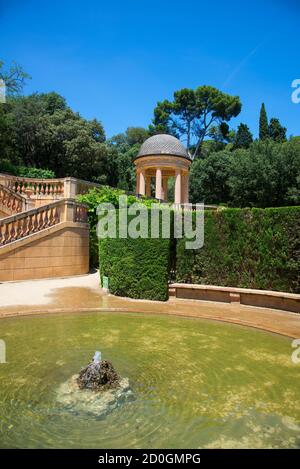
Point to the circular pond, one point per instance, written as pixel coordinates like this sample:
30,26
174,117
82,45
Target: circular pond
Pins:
194,383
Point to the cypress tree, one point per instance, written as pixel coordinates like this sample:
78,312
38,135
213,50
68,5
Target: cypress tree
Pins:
263,123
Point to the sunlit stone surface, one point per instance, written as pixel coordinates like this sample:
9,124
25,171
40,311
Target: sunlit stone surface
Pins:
87,401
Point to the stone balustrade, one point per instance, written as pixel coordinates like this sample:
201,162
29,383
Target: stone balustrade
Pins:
46,188
32,221
33,187
15,203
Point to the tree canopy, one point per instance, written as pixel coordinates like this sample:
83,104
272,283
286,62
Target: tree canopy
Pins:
276,131
14,77
243,137
42,131
192,114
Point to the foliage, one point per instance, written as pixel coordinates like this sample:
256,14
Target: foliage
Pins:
14,77
193,113
137,268
248,248
125,147
45,133
264,175
39,173
276,131
243,137
263,123
98,196
209,178
24,171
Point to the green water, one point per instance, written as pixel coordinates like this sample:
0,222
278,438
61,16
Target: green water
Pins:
195,383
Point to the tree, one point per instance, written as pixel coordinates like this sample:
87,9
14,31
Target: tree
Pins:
267,174
276,131
209,178
263,123
126,146
259,176
135,135
193,113
243,137
46,133
14,78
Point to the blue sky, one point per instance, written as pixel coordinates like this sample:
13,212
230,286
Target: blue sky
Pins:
114,60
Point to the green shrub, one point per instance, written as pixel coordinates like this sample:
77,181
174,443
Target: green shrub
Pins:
25,171
249,248
137,268
39,173
95,197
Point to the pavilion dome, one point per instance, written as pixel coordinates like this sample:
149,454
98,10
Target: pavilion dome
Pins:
163,144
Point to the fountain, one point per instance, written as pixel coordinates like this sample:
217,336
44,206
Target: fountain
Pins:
98,375
97,389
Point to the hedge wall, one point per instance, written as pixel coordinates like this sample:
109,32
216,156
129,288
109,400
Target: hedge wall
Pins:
250,248
137,268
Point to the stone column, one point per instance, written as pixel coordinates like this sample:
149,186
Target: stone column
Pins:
165,188
158,184
148,186
142,183
178,186
185,188
70,188
137,187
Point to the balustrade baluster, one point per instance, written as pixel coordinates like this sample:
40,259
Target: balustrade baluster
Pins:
6,233
2,228
29,225
45,219
17,229
51,217
34,223
40,220
24,223
56,216
11,232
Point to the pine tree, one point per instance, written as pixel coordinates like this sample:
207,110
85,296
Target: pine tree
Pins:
243,137
263,123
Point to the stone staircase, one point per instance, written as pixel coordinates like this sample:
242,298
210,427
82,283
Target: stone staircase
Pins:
43,230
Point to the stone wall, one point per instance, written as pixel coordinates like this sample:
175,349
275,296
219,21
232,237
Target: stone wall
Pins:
61,250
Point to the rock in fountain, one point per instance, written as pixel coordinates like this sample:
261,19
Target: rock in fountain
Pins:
97,390
98,375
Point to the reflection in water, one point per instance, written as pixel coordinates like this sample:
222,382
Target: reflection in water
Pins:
194,383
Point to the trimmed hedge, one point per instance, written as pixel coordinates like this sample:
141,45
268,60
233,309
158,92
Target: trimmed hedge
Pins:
248,248
137,268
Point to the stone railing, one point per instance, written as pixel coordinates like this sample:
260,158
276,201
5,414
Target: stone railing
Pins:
32,221
15,203
32,186
194,207
46,188
84,186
